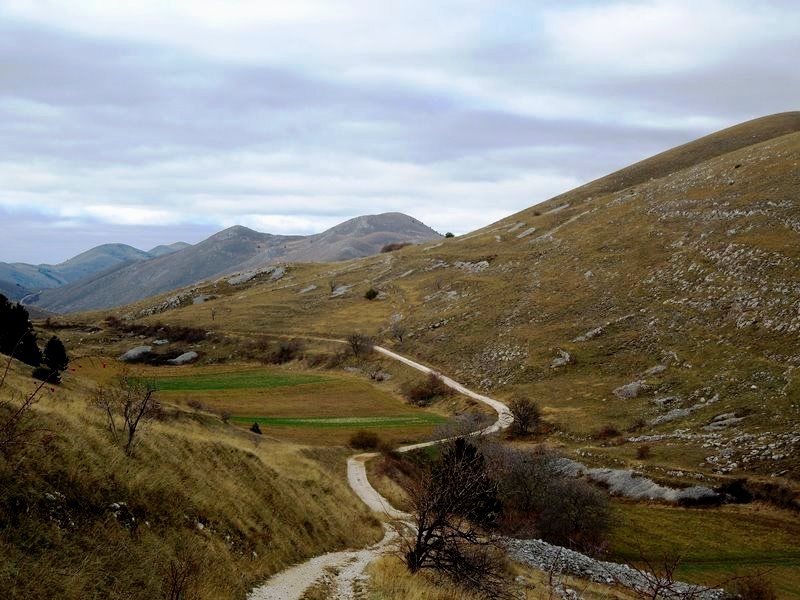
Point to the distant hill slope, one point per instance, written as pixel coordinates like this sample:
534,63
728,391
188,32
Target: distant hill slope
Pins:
234,249
662,298
22,279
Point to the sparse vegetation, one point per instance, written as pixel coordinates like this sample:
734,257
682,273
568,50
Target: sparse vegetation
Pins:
526,415
454,506
360,344
364,440
371,294
128,405
395,246
424,392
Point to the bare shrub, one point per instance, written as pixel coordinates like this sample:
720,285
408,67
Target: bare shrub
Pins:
576,515
424,392
526,415
455,505
17,425
181,575
395,246
128,404
643,452
371,294
286,351
359,344
364,440
606,432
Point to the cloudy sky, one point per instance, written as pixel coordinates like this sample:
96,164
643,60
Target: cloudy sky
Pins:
149,122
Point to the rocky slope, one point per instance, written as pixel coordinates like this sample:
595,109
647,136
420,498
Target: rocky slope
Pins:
234,249
659,304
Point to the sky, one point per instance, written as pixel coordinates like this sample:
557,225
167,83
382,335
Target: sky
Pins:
148,122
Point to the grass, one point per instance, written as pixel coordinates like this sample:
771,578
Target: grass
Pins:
648,243
305,403
348,422
234,380
713,544
233,506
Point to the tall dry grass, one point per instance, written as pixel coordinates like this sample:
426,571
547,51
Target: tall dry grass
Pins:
199,502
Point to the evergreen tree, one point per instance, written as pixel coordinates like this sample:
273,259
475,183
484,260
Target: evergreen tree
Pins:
17,337
55,355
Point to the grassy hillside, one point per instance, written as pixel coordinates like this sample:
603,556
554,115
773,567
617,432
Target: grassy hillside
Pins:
656,307
212,502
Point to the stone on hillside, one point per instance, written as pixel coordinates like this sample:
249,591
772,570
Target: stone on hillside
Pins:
630,390
655,370
563,359
136,353
184,358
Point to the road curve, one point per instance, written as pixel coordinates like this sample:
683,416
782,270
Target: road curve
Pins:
292,583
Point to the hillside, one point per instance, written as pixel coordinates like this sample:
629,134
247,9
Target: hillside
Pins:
234,249
652,314
683,284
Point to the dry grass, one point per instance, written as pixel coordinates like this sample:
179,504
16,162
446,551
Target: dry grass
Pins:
713,545
688,259
246,507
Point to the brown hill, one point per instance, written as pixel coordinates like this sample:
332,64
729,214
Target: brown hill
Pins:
660,302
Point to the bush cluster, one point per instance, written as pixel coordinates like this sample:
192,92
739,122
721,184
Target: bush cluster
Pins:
424,392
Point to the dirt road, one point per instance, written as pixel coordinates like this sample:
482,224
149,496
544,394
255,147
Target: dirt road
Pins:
343,572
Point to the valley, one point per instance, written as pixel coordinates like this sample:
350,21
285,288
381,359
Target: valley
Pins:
652,315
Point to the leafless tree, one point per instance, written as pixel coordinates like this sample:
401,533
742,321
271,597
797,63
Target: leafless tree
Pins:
397,330
16,420
455,506
526,415
359,343
131,403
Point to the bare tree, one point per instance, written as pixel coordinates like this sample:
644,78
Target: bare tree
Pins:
359,343
526,415
397,329
131,402
455,506
16,420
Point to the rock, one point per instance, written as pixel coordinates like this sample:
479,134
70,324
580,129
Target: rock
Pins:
184,358
160,342
655,370
136,353
564,358
630,390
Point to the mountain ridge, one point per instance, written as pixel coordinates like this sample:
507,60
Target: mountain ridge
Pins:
236,248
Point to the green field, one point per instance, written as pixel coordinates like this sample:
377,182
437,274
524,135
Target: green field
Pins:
399,421
235,380
307,408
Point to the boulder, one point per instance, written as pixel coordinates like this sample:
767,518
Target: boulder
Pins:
184,358
136,353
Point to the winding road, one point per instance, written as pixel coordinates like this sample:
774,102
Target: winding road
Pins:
343,572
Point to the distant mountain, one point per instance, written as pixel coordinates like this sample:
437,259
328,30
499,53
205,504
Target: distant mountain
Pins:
235,249
18,280
162,250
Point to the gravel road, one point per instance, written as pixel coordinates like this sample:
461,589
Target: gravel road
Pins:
343,572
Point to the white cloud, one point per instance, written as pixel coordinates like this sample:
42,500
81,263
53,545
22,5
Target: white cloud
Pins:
657,36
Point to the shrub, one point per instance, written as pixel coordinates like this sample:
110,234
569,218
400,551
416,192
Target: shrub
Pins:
371,294
47,374
255,428
606,432
576,515
526,415
643,452
395,246
364,440
449,234
287,351
422,393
